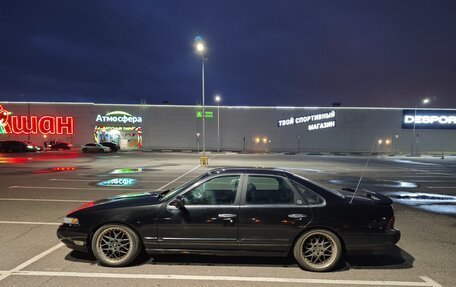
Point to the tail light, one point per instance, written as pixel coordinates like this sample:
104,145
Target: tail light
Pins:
391,222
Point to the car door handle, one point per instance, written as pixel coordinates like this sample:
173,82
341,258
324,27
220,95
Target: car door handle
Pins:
297,216
227,215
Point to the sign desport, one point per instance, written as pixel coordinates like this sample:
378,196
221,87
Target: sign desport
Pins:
429,119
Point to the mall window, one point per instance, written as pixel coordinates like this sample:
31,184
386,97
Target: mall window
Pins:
125,137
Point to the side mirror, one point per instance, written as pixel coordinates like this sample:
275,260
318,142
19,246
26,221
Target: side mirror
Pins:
178,202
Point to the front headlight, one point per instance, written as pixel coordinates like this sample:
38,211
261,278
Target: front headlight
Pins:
29,147
71,220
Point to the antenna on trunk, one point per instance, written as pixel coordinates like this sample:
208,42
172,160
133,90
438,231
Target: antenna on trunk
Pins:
364,170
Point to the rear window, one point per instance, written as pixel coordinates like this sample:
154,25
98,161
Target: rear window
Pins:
269,190
310,196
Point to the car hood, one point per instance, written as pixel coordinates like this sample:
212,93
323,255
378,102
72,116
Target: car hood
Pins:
121,200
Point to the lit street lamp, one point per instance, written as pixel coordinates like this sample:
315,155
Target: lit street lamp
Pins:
200,49
217,100
425,101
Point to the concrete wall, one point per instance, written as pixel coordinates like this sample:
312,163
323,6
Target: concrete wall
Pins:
175,127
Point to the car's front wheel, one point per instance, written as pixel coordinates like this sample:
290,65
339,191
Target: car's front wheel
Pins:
115,245
318,250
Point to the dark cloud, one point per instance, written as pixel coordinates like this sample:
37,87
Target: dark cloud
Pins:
360,53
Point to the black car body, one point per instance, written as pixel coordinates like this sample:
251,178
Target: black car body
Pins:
114,147
60,146
36,146
16,146
266,212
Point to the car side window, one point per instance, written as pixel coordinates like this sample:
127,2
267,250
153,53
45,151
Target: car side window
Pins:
269,190
219,191
310,196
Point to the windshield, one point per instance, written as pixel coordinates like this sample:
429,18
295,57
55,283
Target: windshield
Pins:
167,194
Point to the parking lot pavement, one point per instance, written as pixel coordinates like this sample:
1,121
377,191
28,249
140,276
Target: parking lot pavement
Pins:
39,189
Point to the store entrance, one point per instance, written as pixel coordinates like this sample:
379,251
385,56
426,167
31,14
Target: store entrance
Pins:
125,137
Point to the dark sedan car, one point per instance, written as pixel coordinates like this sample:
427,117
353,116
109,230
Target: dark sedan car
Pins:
16,146
234,211
114,147
60,146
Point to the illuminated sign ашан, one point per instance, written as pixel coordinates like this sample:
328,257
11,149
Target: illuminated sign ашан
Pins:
46,125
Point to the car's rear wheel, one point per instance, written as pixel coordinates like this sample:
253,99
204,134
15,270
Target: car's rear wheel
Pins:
84,150
115,245
318,250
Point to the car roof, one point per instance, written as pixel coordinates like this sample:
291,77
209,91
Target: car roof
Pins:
254,170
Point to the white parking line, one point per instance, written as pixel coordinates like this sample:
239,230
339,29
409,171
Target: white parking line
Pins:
73,188
442,187
89,180
30,261
427,282
43,199
176,179
30,222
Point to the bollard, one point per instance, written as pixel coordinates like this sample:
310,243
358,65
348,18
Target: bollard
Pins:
204,160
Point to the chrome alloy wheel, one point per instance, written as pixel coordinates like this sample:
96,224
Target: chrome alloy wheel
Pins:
319,250
115,244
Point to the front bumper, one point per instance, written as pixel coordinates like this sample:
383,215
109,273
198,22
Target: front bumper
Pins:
73,237
371,241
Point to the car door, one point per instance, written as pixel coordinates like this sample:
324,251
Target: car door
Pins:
208,219
271,213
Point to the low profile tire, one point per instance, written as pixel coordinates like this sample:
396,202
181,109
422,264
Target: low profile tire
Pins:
318,250
115,245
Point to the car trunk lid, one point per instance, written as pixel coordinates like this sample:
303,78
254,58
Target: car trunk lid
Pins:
365,194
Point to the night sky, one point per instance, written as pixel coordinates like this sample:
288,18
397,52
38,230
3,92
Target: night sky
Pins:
268,53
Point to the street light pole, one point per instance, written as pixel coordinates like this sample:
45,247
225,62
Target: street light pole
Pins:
299,144
218,99
204,112
413,133
424,102
200,48
395,144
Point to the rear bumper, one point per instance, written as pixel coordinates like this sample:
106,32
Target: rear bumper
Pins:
73,237
371,241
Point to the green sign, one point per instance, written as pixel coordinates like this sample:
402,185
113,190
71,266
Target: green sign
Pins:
199,114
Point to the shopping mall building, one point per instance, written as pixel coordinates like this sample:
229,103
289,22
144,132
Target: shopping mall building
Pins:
240,128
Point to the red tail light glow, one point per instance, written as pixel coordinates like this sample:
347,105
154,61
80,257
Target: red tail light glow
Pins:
391,222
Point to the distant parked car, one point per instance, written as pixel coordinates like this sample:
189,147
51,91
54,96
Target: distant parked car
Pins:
95,147
60,146
37,147
114,147
16,146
